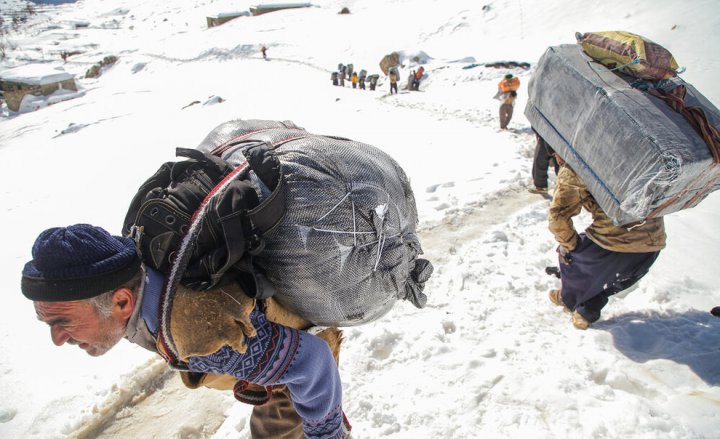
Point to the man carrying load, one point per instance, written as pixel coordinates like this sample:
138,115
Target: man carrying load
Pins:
507,93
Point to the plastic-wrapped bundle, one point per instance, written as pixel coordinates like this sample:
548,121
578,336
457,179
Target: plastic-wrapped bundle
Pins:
346,249
637,155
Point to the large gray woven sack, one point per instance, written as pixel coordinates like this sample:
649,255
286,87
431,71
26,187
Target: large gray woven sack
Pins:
635,153
346,249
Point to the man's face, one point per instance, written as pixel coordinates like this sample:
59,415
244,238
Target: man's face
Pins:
78,323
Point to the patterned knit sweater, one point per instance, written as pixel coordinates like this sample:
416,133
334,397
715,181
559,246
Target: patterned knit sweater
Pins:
281,355
276,355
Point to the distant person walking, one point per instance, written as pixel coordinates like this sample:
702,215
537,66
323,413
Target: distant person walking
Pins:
393,81
416,78
373,81
507,93
411,81
342,73
354,80
506,109
264,52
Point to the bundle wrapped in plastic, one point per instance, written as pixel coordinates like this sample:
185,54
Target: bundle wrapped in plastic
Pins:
639,156
346,249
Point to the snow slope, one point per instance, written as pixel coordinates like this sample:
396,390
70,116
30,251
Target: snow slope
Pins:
489,356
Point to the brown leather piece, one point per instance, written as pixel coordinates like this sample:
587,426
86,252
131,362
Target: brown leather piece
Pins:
202,322
277,313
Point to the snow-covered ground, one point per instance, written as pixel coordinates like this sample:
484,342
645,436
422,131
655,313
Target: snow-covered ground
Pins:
489,356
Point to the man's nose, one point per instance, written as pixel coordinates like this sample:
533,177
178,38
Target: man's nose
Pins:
59,336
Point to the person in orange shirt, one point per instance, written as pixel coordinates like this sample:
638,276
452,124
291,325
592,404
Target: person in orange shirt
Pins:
507,93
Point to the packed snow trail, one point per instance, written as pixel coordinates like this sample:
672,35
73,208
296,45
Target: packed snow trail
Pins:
153,403
453,232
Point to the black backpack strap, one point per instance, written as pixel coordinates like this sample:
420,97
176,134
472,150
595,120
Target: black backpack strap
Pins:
253,282
271,211
268,169
250,227
244,221
221,165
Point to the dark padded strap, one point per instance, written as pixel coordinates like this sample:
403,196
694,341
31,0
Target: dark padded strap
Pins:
222,166
271,211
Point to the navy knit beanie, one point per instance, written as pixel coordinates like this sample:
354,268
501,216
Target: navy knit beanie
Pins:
78,262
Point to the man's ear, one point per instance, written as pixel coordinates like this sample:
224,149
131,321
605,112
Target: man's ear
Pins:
123,304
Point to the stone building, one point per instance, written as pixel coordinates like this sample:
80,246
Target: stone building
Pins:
34,79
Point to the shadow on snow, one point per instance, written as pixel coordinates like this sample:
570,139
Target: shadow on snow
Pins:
691,338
